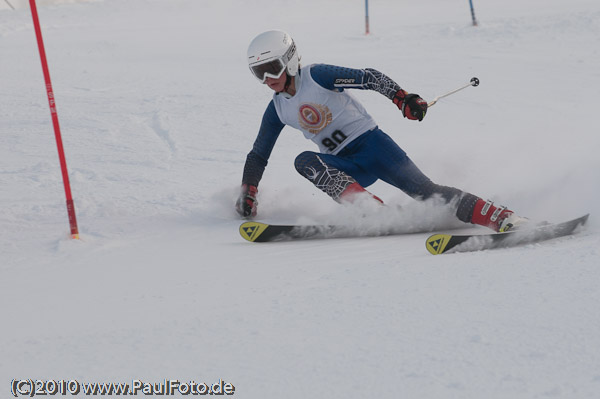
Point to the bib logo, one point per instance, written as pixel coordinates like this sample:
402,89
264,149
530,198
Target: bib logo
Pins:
314,117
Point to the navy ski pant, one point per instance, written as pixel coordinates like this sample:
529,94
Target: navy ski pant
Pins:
374,155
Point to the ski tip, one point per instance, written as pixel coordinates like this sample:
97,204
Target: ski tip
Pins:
582,221
251,231
436,244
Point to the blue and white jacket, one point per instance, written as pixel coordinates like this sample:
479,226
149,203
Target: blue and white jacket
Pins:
321,108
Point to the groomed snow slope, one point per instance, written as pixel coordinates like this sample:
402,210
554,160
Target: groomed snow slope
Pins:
158,111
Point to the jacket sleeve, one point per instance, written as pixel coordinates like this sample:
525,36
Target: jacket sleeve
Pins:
339,78
258,157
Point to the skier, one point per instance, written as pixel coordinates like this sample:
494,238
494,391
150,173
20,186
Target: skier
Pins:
354,151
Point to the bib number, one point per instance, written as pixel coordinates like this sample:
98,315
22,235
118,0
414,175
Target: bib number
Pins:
336,139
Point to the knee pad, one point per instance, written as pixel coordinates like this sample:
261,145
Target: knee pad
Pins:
327,178
305,161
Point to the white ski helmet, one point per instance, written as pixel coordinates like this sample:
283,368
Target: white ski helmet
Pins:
271,53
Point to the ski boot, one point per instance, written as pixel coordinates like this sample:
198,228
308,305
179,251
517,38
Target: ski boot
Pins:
512,222
497,218
353,192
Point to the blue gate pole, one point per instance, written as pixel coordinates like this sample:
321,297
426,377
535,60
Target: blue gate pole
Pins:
366,17
473,13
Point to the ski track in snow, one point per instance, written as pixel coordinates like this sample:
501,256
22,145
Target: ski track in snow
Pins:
158,111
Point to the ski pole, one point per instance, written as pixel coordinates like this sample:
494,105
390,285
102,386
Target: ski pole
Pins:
474,82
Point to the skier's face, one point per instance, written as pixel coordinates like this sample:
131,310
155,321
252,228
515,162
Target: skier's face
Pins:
278,84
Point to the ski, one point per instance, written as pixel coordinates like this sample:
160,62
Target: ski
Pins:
443,243
263,232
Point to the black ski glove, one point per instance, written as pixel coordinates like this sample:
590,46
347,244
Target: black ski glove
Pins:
412,105
246,203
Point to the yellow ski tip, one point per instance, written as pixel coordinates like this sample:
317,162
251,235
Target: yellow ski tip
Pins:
437,243
252,230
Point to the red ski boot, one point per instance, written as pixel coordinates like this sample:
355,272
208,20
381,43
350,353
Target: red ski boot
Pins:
499,218
355,191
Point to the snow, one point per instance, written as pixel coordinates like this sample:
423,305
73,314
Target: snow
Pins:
158,111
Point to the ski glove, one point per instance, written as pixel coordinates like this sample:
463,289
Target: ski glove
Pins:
246,203
412,105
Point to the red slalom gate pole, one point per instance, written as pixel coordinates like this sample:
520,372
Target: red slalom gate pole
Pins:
52,104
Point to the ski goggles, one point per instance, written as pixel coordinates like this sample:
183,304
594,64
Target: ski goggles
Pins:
270,69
